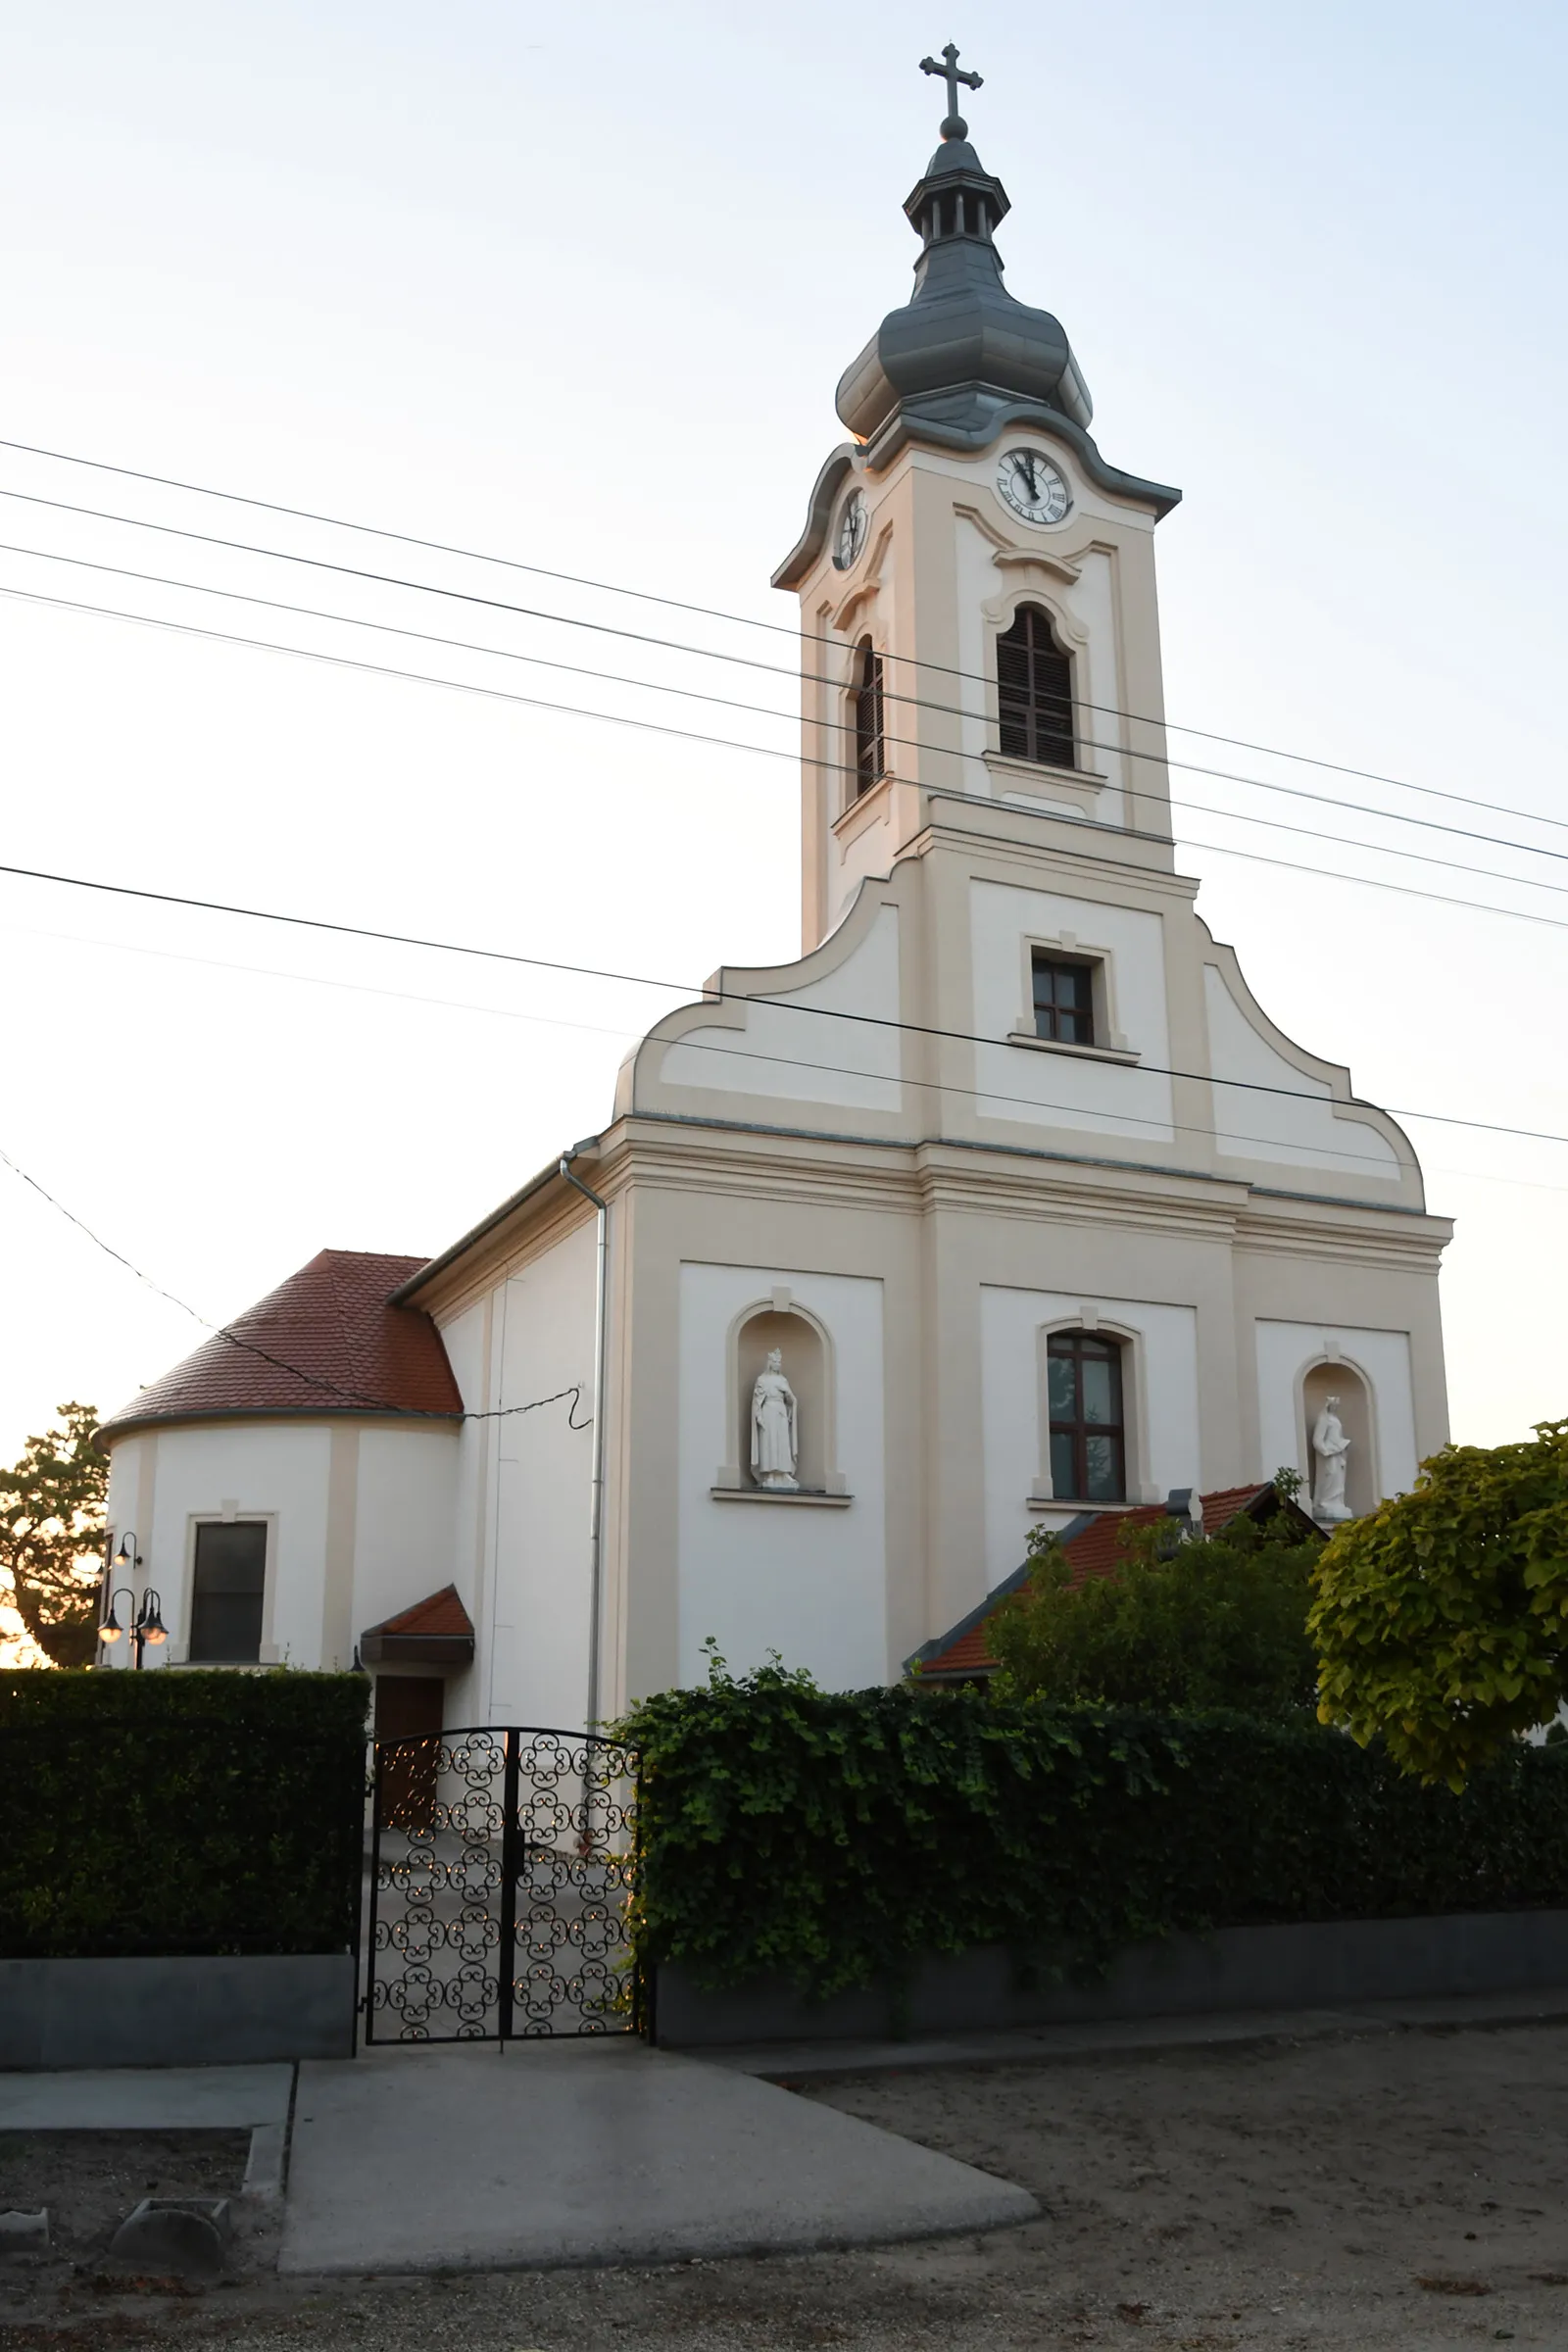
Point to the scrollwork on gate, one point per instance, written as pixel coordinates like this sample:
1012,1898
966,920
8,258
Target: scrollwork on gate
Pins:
502,1874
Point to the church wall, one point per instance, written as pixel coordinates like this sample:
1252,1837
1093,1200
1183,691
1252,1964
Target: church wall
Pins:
1255,1123
804,1577
406,1507
466,1339
1287,1355
1068,1089
782,1054
273,1470
532,1645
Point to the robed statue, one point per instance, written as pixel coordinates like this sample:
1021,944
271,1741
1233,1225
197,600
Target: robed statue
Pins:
1330,1447
776,1435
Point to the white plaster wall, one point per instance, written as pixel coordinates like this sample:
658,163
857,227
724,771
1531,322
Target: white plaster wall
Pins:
1257,1125
261,1469
1287,1351
803,1057
1161,1394
807,1581
405,1521
1065,1090
862,851
1096,687
534,1638
278,1471
464,1341
978,584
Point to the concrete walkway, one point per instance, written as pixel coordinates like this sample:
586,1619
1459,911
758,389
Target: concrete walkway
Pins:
588,2152
146,2098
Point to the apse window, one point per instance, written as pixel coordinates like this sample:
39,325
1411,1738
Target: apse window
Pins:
1063,1000
228,1582
1034,692
1087,1435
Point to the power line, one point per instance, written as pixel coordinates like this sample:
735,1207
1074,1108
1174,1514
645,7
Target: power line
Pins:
766,710
760,751
1160,758
314,1380
792,1061
684,988
740,619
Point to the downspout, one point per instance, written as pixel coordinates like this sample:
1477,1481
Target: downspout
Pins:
596,1520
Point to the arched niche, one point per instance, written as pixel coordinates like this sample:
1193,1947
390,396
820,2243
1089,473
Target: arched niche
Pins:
1320,1382
807,1363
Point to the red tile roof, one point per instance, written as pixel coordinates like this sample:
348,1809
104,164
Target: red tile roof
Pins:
328,1341
1093,1547
438,1613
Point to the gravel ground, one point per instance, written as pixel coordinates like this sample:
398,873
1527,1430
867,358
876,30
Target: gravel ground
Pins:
1398,2189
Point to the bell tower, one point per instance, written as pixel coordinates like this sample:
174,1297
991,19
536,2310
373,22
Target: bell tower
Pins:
978,615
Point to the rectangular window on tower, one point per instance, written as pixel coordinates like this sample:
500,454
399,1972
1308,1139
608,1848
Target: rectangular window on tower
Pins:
1064,1001
227,1585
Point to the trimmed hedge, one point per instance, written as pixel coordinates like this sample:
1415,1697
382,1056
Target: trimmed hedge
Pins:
188,1812
838,1837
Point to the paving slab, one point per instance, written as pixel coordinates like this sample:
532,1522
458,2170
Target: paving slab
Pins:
146,2098
573,2154
1020,2045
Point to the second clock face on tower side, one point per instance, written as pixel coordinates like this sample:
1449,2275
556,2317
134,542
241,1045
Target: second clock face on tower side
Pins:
1032,486
854,523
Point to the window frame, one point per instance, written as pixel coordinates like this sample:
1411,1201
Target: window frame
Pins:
265,1648
867,718
1082,970
1075,1343
1050,743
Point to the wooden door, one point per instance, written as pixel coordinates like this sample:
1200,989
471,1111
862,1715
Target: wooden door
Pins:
408,1707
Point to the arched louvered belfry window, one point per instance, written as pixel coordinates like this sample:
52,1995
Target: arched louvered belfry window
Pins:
1034,692
870,759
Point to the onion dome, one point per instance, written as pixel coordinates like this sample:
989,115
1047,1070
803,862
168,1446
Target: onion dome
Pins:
962,352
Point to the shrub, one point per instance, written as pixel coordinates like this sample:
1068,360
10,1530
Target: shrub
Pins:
1442,1619
836,1837
186,1812
1219,1622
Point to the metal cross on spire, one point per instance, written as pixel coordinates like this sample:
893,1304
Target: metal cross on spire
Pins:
955,127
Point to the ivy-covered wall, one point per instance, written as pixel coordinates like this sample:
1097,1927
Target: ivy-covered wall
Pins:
837,1838
188,1812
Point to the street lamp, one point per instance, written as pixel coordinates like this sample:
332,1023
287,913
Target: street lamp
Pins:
146,1621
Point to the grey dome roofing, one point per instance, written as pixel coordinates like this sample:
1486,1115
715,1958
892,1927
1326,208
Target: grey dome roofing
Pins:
961,349
962,361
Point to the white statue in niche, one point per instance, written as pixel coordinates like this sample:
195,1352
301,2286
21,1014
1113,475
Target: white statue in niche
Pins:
1331,1446
775,1432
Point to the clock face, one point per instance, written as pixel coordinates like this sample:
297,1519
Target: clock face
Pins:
854,523
1032,487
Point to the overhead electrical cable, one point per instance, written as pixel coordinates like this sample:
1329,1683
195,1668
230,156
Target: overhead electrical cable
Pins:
612,718
698,993
845,727
748,620
1162,758
792,1061
314,1380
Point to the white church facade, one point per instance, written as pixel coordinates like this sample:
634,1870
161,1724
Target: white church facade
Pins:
1006,1203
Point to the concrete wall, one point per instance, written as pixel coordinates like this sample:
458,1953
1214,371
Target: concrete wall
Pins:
225,2010
1314,1966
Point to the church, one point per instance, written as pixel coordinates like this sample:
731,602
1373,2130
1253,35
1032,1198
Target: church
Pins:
1005,1205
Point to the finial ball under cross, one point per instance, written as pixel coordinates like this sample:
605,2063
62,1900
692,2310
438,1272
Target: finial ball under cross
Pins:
955,127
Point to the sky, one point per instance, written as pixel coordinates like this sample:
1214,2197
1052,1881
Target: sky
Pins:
572,289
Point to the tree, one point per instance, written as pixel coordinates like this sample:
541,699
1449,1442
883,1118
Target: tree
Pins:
52,1534
1219,1621
1440,1620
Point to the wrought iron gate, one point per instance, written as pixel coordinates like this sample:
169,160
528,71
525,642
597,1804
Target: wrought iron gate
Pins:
502,1866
